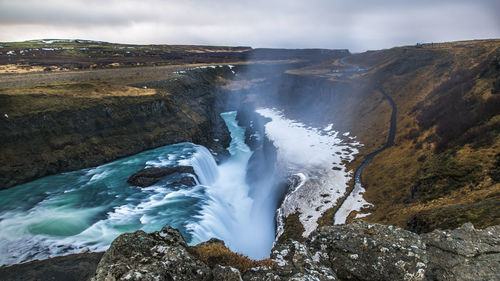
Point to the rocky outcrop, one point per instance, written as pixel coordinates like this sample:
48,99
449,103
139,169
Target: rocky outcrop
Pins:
161,255
357,251
464,254
149,176
362,251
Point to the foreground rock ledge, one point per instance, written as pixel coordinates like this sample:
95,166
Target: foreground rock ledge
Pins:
357,251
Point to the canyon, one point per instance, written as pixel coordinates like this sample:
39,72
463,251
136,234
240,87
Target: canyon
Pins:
407,136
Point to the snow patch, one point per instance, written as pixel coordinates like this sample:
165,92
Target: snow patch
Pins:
309,153
354,202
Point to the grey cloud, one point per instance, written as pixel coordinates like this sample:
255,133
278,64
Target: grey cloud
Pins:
357,25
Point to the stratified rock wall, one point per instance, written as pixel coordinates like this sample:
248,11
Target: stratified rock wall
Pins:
184,109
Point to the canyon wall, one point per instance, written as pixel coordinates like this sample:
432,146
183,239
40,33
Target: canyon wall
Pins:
71,133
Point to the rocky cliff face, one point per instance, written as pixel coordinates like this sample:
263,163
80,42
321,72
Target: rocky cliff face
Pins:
357,251
94,130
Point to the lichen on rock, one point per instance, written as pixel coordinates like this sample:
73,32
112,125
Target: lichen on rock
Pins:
356,251
161,255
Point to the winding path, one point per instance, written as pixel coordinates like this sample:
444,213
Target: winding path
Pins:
390,141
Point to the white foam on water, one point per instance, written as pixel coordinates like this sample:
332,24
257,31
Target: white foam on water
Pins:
35,234
230,213
204,165
64,213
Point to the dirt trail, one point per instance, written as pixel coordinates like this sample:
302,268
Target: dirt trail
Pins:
369,157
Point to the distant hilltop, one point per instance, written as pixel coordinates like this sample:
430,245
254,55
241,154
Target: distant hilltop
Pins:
82,41
78,54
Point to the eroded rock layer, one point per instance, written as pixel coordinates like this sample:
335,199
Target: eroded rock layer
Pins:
75,132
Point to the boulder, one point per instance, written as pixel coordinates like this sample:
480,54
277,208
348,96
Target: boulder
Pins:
296,262
363,251
465,253
161,255
149,176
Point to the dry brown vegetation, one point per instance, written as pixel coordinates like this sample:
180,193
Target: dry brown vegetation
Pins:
217,253
444,163
293,229
65,96
447,140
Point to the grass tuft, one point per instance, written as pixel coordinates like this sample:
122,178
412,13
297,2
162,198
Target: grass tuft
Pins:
214,254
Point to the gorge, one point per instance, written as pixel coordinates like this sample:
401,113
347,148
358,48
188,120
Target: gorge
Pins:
274,142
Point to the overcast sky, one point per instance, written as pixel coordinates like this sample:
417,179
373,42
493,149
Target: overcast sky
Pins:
353,24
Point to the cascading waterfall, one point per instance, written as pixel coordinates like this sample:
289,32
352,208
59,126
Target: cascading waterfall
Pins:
204,165
64,213
67,212
231,214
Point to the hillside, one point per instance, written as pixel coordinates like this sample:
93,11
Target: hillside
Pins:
443,168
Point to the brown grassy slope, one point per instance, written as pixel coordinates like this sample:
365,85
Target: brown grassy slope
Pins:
447,146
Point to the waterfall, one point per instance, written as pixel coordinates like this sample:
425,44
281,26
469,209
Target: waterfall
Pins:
64,213
204,165
230,213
